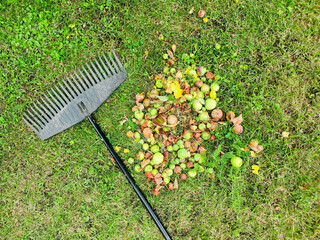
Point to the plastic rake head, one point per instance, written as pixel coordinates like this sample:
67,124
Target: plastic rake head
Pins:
77,96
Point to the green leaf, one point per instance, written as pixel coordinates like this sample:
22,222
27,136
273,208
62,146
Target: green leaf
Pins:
163,98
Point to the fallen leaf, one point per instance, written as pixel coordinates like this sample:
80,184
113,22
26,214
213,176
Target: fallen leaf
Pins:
155,192
252,154
223,123
117,148
237,120
277,208
175,184
130,134
303,188
146,53
255,169
124,120
144,125
285,134
135,108
170,54
201,13
206,19
147,132
175,87
174,47
210,75
144,163
160,120
191,10
126,150
158,179
170,61
253,144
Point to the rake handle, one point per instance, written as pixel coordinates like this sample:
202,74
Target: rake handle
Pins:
129,177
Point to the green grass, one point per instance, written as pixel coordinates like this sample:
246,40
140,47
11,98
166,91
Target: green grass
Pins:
67,187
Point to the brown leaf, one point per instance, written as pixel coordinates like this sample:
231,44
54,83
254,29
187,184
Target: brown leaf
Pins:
253,144
170,186
155,192
147,132
124,120
191,10
170,61
174,47
149,175
144,163
197,136
158,179
237,120
210,75
175,184
303,188
130,134
285,134
160,120
222,123
144,125
170,54
135,108
201,13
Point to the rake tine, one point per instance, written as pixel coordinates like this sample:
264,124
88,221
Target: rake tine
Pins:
31,123
117,59
52,104
105,67
101,69
40,124
81,89
45,117
93,74
88,75
96,70
75,90
50,108
67,95
68,117
84,79
72,94
114,64
63,98
110,67
57,104
81,81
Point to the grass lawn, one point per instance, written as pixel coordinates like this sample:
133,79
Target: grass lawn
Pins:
68,188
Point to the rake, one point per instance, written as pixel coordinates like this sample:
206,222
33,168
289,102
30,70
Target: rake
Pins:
76,98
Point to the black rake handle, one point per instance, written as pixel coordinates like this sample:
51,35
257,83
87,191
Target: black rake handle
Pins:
129,177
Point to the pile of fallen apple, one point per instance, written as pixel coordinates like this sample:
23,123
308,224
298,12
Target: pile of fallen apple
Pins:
174,120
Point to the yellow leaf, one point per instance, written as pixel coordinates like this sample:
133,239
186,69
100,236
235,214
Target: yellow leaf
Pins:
252,153
175,87
205,19
157,130
126,150
187,70
72,26
117,149
146,53
213,94
255,169
67,37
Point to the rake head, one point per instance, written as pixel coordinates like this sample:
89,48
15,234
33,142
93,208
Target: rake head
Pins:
76,97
